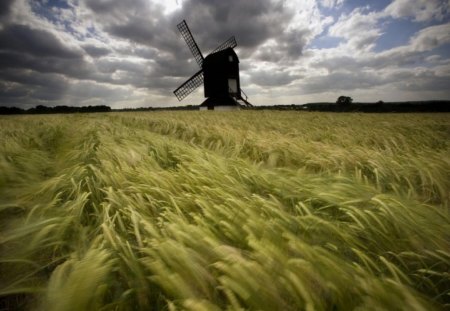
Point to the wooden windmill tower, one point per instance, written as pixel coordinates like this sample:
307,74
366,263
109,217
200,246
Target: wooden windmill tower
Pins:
219,73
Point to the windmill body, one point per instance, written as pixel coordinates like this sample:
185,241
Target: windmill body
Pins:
221,80
219,73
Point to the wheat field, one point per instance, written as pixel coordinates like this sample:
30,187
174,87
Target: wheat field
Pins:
248,210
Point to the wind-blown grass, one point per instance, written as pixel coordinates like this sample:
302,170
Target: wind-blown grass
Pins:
225,211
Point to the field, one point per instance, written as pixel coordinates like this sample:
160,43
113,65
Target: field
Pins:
249,210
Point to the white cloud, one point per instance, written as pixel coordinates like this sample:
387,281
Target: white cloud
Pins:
361,30
432,37
331,3
419,10
169,6
412,53
306,23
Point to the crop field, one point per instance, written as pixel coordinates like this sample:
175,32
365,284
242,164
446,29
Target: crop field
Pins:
248,210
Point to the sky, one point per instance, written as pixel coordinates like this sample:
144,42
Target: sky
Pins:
129,53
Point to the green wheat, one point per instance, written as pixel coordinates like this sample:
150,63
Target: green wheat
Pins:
225,211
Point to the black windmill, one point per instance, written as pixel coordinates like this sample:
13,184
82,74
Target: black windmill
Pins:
219,73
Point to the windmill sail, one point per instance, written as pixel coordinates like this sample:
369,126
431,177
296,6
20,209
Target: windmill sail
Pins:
189,86
187,36
230,43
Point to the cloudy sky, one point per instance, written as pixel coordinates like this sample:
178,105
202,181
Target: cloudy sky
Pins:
128,53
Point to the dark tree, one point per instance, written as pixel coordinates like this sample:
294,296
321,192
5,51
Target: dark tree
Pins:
344,100
11,110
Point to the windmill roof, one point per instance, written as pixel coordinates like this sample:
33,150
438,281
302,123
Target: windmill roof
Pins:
223,54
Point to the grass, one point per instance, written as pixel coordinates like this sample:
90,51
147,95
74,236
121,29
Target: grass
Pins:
225,211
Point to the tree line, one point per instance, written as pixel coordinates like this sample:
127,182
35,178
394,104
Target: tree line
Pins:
40,109
346,104
343,104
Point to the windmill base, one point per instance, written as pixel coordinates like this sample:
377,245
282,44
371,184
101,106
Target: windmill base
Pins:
220,103
221,108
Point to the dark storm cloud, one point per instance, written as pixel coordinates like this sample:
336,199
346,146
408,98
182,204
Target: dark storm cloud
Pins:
143,22
116,8
30,63
5,6
23,39
406,80
30,87
287,46
211,23
252,22
168,65
35,61
138,21
10,92
27,77
30,58
75,68
39,55
96,51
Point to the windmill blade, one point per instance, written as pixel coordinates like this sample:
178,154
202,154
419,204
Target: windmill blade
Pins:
230,43
187,36
189,86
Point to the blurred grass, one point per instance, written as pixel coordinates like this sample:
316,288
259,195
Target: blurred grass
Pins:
225,211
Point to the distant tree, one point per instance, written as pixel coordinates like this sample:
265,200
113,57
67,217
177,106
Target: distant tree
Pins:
11,110
344,100
42,109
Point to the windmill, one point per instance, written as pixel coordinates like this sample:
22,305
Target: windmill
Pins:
219,73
